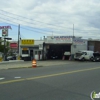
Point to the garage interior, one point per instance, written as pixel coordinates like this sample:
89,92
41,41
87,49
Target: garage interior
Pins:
56,51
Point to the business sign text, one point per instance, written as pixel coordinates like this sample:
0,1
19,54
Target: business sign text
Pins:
5,27
27,42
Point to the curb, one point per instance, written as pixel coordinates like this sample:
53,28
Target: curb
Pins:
20,67
11,61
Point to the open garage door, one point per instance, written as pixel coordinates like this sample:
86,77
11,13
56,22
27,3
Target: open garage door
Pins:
56,51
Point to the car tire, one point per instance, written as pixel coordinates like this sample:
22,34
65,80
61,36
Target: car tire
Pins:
83,59
94,60
91,59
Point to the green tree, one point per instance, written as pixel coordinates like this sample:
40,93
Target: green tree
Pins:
2,47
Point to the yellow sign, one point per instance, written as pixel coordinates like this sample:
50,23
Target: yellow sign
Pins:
25,48
27,42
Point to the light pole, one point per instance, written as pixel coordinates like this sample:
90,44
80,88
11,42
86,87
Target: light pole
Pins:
72,55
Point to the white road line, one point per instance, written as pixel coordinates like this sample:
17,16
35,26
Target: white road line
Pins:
17,77
2,78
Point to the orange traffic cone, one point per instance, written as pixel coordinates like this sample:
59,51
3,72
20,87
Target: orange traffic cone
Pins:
63,58
34,64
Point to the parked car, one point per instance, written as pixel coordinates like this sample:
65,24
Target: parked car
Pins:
96,57
11,58
83,55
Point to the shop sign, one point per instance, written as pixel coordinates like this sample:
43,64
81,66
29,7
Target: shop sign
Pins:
79,41
27,42
4,32
25,48
62,37
59,39
13,45
5,27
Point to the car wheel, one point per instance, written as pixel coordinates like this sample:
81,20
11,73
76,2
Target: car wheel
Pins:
83,59
91,59
94,60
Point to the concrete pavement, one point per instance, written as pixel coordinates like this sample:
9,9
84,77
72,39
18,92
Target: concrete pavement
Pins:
28,64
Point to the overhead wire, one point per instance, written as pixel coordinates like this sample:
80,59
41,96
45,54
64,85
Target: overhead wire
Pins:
33,19
22,27
40,22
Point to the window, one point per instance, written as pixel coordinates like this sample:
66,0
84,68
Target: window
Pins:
40,52
84,53
36,52
25,52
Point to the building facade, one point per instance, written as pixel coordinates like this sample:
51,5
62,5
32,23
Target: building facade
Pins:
50,47
94,45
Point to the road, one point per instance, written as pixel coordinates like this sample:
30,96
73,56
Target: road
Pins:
74,81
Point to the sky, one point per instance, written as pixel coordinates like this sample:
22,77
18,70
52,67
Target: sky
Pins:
39,18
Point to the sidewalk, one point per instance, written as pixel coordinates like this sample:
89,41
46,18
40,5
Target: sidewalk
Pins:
28,64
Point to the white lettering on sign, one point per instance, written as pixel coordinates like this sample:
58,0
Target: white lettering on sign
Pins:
79,41
5,27
62,37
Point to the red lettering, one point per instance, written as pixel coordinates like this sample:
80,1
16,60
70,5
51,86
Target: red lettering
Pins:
6,27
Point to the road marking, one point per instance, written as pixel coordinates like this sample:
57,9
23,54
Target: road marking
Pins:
50,75
2,78
17,77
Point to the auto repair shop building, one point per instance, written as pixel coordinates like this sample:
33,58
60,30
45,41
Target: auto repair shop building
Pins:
58,46
51,46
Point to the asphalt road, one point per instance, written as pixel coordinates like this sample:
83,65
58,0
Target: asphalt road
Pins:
74,81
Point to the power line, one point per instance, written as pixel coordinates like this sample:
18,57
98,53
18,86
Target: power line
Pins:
25,28
32,23
29,23
23,24
32,19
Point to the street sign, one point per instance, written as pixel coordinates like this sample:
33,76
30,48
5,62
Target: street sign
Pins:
4,32
8,38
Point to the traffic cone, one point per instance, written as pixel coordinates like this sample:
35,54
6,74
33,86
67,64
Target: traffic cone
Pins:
34,64
63,58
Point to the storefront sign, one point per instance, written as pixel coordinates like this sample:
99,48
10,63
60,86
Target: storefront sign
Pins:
59,39
13,45
5,27
27,42
25,48
79,41
4,32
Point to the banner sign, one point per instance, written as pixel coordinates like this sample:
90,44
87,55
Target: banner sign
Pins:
13,45
59,39
27,42
79,41
63,37
5,27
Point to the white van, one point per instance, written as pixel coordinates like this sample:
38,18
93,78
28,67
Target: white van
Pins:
83,55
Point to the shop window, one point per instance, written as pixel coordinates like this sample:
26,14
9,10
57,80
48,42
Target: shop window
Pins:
40,52
25,52
36,52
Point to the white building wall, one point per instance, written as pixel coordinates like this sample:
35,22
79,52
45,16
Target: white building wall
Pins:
76,48
78,44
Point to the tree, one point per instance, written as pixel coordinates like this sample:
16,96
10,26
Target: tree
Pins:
2,47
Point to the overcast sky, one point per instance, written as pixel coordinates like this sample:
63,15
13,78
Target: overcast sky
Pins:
39,18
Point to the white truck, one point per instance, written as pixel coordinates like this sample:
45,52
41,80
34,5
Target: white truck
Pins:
83,55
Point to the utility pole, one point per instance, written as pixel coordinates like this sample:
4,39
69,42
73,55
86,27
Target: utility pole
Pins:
18,38
72,54
73,30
